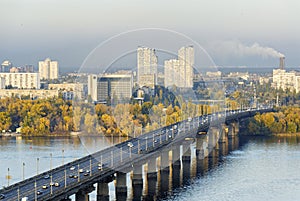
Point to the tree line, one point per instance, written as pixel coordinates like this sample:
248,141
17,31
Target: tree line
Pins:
56,115
286,120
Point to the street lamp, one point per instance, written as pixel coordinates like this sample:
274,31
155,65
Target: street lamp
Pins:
37,166
23,168
50,161
63,156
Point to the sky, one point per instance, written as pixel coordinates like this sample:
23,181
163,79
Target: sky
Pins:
233,32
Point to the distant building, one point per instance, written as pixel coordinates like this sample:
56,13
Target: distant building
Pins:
22,80
2,83
69,90
110,86
48,69
186,62
31,93
180,71
6,66
146,67
286,80
215,74
172,73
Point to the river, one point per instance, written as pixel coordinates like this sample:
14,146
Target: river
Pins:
261,168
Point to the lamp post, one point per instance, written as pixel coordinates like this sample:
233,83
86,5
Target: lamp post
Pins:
8,176
37,166
50,161
23,173
63,156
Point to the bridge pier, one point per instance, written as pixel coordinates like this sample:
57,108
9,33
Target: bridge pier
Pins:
213,136
233,129
151,178
137,181
83,194
121,186
223,134
102,191
202,147
176,166
164,171
186,162
66,199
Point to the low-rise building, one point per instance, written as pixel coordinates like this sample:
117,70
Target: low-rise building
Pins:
31,93
21,80
70,90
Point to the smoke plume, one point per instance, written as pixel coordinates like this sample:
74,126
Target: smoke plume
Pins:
236,48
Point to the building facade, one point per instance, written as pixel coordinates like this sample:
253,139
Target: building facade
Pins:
286,80
180,71
48,69
70,90
110,87
31,93
21,80
146,67
5,66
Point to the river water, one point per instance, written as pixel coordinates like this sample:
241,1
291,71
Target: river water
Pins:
261,168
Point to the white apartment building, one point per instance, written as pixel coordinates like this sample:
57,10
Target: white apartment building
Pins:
22,80
180,71
48,69
146,67
286,80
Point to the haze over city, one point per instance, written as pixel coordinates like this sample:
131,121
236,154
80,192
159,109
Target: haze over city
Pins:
234,33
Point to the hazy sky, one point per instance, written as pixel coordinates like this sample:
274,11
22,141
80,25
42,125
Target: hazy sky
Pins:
68,31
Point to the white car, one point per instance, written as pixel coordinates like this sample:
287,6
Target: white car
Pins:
130,144
72,168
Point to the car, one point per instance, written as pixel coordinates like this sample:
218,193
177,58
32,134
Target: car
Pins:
39,192
56,184
71,176
130,144
51,183
75,176
87,173
2,196
45,186
46,176
80,170
72,168
24,199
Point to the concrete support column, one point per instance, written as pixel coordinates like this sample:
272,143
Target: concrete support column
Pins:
176,167
121,186
137,181
102,191
223,134
152,172
186,162
213,135
202,166
202,147
233,129
223,149
151,178
82,196
164,161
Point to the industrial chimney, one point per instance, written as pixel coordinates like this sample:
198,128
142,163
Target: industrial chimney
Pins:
281,65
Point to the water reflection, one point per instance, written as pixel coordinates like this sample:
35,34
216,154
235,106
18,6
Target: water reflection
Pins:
183,170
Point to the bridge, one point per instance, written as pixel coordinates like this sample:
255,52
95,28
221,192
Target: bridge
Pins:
160,149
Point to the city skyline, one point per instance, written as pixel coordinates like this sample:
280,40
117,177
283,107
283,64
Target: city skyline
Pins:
222,28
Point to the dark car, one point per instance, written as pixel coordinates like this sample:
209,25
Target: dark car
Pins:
39,192
2,196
